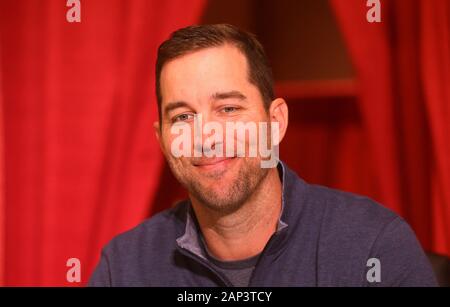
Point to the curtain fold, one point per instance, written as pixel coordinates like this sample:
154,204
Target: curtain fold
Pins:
402,66
2,187
81,160
435,64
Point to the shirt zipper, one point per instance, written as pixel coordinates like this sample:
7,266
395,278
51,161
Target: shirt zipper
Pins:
189,254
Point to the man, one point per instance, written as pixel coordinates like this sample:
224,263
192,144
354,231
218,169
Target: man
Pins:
244,224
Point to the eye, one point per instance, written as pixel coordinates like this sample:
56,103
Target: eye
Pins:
229,109
183,117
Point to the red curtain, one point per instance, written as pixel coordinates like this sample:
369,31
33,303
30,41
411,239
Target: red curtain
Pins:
2,194
81,163
403,72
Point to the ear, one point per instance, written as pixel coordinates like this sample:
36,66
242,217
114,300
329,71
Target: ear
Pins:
279,113
157,129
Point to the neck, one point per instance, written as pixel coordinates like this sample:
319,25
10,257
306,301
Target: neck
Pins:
245,232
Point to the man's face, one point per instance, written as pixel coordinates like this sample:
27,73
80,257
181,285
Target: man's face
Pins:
212,82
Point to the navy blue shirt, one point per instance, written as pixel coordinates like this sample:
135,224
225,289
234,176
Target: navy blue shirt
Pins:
324,237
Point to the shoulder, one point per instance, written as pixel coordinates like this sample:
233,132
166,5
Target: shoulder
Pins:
350,210
354,229
142,255
160,230
348,221
334,209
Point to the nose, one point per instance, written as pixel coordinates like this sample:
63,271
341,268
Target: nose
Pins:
208,135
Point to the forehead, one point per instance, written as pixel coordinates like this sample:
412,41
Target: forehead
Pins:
200,73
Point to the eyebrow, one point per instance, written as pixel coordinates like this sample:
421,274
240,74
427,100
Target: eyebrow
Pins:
228,95
216,96
174,105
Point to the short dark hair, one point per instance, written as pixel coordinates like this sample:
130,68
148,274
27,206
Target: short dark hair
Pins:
198,37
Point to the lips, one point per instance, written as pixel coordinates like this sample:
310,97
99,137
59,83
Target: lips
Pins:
211,162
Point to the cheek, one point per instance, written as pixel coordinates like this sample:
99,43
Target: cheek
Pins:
166,142
181,143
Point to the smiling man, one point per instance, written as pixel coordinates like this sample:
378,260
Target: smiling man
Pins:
244,224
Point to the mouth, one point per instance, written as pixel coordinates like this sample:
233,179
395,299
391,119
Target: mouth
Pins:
213,163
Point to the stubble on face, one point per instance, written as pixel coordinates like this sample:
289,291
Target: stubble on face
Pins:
225,191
